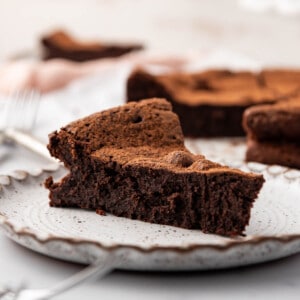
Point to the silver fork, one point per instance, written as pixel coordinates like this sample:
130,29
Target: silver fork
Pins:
18,116
100,268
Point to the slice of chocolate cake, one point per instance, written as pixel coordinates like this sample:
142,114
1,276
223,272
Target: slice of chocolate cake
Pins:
212,103
273,133
59,44
131,161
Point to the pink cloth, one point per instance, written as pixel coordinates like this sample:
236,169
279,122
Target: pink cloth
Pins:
46,76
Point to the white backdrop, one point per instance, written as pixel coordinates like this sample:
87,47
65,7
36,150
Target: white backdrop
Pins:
270,37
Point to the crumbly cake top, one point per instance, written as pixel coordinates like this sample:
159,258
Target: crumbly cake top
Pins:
144,133
290,105
227,87
149,122
64,41
168,158
284,81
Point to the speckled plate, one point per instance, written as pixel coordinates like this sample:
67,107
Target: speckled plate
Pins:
81,236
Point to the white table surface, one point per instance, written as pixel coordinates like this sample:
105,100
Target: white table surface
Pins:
275,280
181,25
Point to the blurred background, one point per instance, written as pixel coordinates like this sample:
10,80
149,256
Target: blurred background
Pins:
233,33
267,31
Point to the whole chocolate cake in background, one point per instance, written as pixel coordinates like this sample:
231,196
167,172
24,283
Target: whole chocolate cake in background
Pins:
131,161
60,44
211,103
273,133
284,81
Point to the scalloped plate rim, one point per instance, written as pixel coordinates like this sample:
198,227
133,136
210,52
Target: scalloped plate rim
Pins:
251,240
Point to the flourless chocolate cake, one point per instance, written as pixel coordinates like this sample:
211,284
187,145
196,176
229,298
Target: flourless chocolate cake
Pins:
131,161
211,103
60,44
284,81
273,133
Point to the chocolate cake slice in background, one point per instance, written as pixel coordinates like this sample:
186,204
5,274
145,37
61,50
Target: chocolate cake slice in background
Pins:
131,161
60,44
273,133
274,153
211,103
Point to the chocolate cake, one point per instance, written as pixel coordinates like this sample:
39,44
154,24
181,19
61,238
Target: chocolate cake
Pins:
273,133
131,161
211,103
59,44
284,81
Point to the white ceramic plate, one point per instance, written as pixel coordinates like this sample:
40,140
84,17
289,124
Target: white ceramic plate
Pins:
81,236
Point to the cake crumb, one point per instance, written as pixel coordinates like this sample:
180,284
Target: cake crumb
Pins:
100,212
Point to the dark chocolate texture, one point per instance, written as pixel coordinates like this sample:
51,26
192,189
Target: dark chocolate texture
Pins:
131,161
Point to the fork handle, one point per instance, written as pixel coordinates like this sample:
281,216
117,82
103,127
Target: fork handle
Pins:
99,268
28,141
